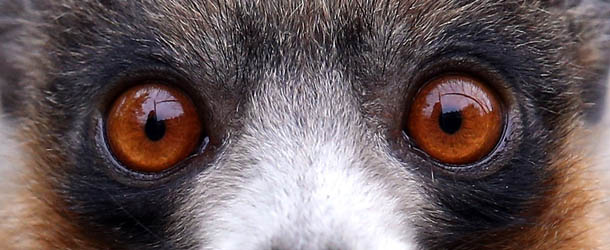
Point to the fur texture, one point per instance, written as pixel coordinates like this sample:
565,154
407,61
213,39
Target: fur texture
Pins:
304,103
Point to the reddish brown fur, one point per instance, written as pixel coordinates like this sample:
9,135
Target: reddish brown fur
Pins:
36,217
565,218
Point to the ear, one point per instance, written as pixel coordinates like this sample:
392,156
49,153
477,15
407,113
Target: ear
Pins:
12,30
589,23
593,17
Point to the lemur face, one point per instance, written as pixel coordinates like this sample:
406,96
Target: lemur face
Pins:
226,125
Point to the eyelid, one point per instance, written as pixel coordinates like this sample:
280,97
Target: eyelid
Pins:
457,63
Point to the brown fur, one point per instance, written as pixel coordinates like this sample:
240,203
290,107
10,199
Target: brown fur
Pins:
568,217
33,216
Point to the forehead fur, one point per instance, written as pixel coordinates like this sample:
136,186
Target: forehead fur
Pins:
193,33
302,33
230,43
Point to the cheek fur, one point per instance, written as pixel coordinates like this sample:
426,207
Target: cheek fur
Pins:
568,215
32,214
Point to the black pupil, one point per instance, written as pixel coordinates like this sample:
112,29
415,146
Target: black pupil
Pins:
154,128
450,122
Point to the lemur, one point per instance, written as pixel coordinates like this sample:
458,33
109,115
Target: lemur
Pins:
326,124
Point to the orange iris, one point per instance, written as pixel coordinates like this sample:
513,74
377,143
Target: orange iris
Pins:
455,119
152,127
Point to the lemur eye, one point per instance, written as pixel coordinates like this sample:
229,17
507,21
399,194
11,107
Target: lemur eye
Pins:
455,119
152,127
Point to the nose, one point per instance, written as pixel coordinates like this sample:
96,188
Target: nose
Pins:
302,178
317,203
